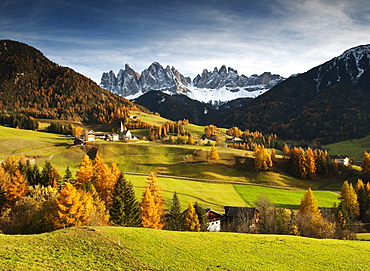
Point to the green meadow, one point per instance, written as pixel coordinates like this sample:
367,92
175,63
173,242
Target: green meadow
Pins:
117,248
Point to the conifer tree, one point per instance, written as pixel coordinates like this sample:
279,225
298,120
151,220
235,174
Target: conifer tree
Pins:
262,159
124,210
191,221
175,221
213,155
311,164
104,180
309,204
85,172
349,204
16,188
310,220
156,191
150,216
49,175
69,208
10,165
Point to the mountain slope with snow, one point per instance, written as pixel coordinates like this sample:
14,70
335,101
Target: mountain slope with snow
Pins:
329,103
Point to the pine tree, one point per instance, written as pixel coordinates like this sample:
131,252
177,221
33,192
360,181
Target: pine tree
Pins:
349,204
124,210
273,155
69,208
190,139
191,221
175,221
213,155
16,188
49,175
85,172
150,216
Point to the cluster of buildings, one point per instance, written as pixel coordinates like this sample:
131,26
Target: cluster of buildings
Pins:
91,136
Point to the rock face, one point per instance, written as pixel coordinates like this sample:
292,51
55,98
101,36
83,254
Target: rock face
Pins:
155,77
230,79
217,86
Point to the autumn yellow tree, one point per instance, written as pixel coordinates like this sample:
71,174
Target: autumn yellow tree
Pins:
310,220
156,191
69,208
85,172
76,130
213,155
104,180
150,216
15,189
365,167
311,164
349,204
262,159
286,151
191,220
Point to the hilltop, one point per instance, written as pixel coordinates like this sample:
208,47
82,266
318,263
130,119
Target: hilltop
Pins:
117,248
33,85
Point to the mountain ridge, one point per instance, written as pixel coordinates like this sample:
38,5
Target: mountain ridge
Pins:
211,86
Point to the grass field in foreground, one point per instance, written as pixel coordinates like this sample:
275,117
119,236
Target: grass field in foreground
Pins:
115,248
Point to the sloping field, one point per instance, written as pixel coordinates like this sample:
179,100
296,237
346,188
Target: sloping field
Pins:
115,248
17,141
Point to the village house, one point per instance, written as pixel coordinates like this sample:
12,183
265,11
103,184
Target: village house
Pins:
240,219
340,159
214,220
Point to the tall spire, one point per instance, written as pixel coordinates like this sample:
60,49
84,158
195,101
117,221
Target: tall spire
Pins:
121,127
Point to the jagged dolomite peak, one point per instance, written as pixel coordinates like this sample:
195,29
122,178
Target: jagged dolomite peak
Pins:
216,86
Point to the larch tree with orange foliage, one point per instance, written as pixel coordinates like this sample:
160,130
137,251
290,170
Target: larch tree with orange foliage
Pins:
156,191
85,172
104,180
191,220
149,213
16,188
213,154
69,208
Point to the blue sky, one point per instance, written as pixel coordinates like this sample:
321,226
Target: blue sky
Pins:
279,36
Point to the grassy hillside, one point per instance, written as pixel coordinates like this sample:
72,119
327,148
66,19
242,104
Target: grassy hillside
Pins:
176,160
208,194
114,248
352,148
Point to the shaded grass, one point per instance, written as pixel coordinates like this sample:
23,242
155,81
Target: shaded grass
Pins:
116,248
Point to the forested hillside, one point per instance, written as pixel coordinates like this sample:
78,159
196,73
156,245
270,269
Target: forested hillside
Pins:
330,102
32,84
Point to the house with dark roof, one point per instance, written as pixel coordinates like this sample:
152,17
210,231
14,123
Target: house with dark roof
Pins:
239,219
